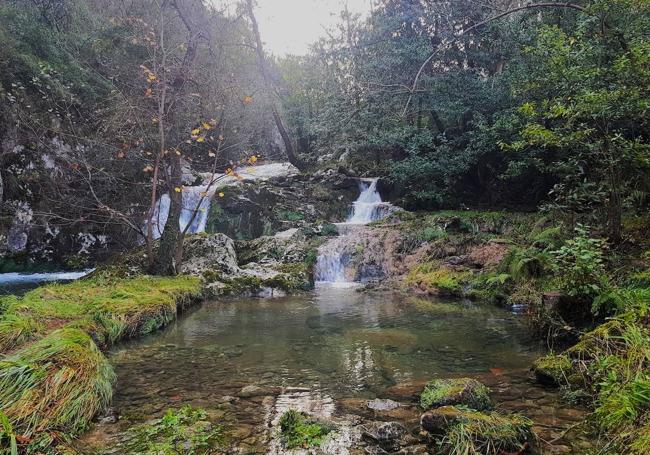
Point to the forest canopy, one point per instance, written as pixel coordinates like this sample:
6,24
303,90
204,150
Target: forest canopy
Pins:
497,104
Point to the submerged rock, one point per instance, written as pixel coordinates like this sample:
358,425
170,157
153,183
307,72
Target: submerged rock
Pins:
383,405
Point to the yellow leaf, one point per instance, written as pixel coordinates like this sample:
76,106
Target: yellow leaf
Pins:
221,195
201,139
196,132
206,126
177,189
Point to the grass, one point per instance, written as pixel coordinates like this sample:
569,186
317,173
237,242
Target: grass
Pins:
55,384
459,391
297,430
478,433
53,376
107,309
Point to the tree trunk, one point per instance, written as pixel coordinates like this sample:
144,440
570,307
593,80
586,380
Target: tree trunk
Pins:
277,118
170,252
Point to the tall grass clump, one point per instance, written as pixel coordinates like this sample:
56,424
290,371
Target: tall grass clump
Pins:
56,384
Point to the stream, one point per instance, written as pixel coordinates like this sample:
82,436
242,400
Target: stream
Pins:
248,360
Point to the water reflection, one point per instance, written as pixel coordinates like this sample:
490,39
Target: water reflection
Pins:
346,342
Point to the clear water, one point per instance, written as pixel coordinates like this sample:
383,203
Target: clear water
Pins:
325,353
337,340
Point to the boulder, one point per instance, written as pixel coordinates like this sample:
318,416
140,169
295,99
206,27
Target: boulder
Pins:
458,391
210,254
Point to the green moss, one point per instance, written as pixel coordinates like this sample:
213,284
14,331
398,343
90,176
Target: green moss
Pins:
553,369
185,431
55,384
430,275
298,430
460,391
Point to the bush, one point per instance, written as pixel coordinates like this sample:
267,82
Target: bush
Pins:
580,265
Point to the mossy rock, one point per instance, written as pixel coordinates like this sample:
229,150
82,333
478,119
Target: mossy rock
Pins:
459,391
553,370
597,342
460,430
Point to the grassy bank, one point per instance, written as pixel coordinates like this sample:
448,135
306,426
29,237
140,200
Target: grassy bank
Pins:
578,290
53,375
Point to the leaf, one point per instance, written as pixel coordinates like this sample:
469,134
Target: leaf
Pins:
248,99
196,132
206,126
177,189
211,154
201,139
221,195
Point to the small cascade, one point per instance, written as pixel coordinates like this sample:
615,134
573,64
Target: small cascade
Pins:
334,256
191,200
369,206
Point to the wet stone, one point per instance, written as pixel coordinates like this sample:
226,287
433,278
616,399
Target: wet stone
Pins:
383,405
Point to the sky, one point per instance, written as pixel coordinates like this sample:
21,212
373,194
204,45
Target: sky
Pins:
290,26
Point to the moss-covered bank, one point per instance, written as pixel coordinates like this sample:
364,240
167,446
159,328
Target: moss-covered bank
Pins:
53,375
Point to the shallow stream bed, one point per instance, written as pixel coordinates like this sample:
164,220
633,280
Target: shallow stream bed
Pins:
329,352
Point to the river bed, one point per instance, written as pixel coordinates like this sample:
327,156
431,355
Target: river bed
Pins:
327,352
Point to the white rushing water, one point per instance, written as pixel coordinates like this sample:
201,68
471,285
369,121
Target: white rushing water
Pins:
335,255
191,202
8,279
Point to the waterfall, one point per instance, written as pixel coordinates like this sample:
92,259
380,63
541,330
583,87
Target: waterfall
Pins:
191,197
334,257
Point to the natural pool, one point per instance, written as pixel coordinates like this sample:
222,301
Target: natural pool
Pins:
247,360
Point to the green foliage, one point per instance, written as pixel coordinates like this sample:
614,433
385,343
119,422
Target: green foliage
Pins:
580,265
8,441
479,433
185,431
525,264
298,431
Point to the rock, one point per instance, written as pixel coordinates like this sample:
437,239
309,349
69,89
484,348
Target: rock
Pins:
384,432
383,405
251,391
439,420
460,391
552,370
210,256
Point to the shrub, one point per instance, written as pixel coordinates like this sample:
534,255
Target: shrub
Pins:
460,391
580,265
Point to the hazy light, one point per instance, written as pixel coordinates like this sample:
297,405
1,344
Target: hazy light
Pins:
290,26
